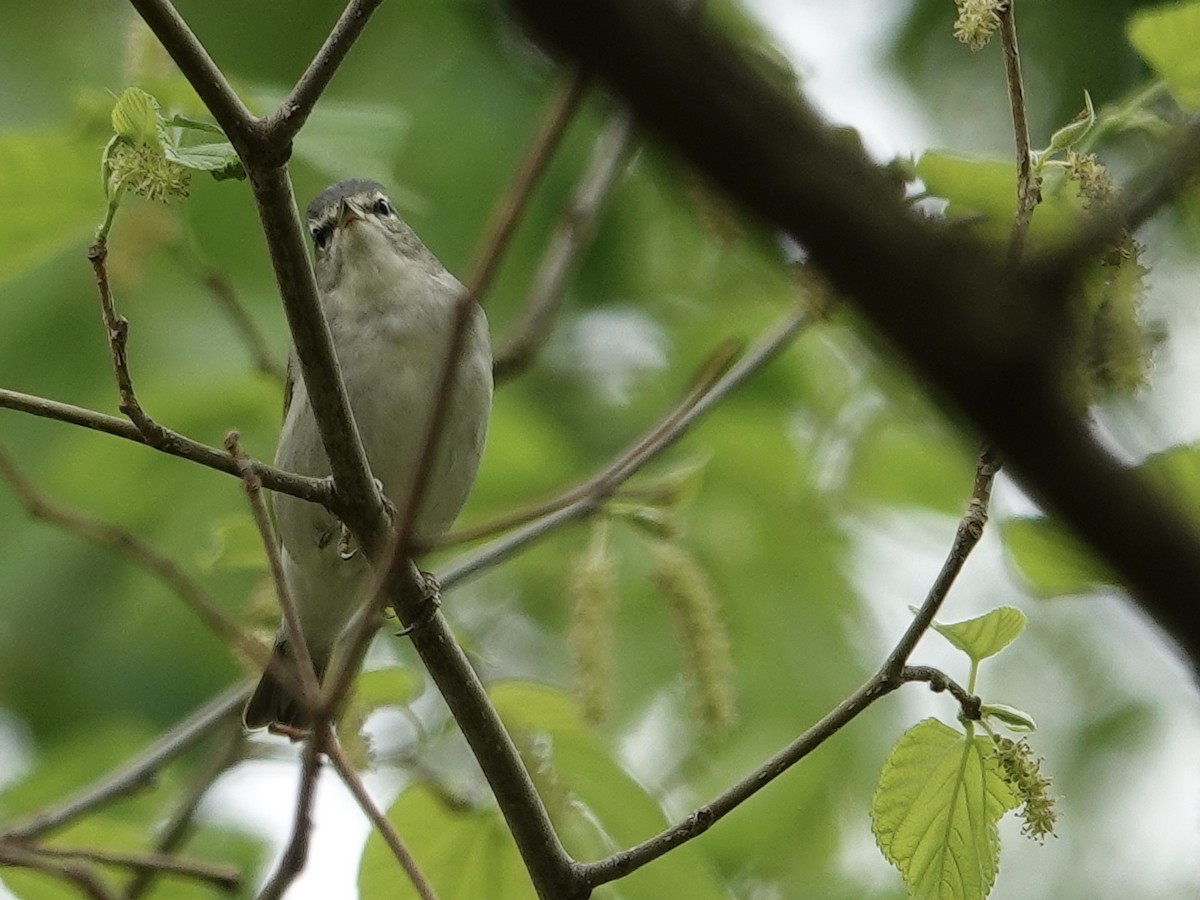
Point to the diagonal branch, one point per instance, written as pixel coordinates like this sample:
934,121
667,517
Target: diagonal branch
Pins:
135,774
566,244
283,124
179,824
204,605
381,822
582,501
987,338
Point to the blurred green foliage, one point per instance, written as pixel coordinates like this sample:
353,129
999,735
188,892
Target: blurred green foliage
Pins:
438,99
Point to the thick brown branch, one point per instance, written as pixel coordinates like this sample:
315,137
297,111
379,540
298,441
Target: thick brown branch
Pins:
988,339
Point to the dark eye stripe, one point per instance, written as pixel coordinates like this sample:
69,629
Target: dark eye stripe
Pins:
321,233
382,207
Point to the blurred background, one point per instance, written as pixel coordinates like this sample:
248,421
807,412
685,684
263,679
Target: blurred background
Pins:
827,492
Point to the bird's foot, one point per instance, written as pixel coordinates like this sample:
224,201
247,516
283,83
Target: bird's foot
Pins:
432,601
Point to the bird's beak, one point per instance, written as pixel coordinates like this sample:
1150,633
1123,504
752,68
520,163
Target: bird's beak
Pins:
347,213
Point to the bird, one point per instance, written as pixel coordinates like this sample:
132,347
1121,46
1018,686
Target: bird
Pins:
391,308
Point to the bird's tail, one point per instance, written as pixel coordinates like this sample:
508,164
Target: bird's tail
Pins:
272,702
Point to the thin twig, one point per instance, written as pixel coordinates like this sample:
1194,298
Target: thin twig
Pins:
310,690
227,878
315,490
134,774
204,605
381,822
283,124
571,235
116,329
1028,187
296,853
179,824
221,289
585,500
81,876
939,681
512,208
966,536
710,371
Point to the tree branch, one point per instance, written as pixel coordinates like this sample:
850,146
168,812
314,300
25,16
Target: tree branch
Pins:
283,124
381,822
179,825
205,606
1028,191
585,499
227,878
296,853
989,339
81,876
136,773
222,291
315,490
562,254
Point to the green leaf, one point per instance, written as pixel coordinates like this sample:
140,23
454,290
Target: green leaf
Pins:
935,811
135,116
984,191
1050,560
1167,37
985,635
392,686
219,159
181,121
1013,719
236,545
595,805
1069,135
465,854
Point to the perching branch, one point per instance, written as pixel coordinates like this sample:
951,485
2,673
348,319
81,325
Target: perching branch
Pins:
315,490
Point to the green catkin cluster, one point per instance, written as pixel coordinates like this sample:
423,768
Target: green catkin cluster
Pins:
593,595
704,644
1114,346
146,171
977,21
1024,774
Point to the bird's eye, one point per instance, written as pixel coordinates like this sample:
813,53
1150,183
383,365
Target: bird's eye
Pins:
382,207
321,234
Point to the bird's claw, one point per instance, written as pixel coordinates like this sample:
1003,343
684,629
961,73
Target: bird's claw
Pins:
347,549
433,602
